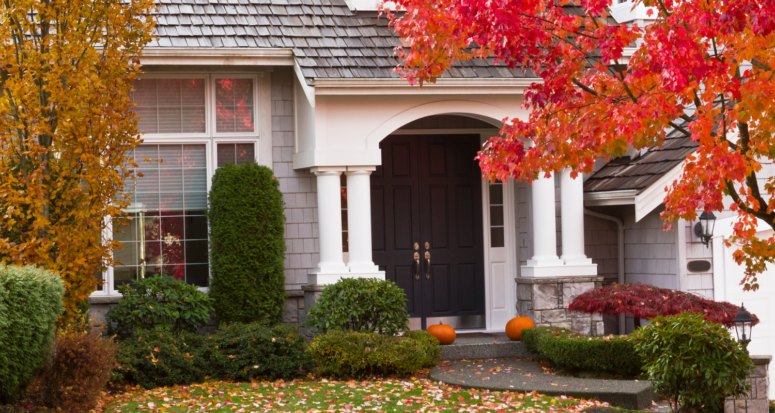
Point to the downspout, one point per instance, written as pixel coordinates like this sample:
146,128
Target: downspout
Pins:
619,255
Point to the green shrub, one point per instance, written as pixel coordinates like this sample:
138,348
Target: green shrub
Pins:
247,244
155,358
573,351
77,371
30,302
248,351
350,354
693,363
360,304
159,302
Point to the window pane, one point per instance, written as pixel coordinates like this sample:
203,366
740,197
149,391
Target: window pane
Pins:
497,238
169,230
234,105
236,153
170,105
496,215
496,194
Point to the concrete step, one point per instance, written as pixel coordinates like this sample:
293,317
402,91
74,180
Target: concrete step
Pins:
473,346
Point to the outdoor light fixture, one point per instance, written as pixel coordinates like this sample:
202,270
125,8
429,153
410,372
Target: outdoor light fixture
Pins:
743,325
704,228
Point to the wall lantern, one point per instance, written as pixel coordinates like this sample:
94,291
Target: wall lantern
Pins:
704,228
743,325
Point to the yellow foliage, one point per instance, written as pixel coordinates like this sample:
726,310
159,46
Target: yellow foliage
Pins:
66,130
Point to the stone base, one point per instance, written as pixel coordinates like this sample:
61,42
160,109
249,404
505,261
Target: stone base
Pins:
545,300
311,294
756,401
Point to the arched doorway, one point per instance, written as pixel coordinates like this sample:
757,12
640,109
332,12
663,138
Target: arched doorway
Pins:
427,219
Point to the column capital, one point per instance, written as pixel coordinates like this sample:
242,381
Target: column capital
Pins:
328,170
362,169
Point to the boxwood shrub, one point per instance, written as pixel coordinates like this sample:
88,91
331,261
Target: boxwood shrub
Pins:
693,363
159,302
30,302
568,350
155,358
248,351
351,354
247,244
360,304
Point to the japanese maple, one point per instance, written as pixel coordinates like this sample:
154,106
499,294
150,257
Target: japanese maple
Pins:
66,132
646,301
702,68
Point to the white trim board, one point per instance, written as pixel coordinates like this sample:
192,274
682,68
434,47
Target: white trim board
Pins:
216,56
325,87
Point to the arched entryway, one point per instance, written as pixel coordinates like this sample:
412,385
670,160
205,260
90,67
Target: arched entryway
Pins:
429,226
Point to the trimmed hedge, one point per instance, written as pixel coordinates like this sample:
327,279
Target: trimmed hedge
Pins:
156,358
350,354
159,302
569,350
30,302
361,304
247,244
249,351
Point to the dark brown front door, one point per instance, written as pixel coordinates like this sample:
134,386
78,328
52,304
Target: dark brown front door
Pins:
427,226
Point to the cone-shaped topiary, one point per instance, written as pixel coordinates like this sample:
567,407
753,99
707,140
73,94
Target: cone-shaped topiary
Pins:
247,244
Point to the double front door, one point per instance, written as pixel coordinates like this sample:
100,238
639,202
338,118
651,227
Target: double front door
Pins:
427,226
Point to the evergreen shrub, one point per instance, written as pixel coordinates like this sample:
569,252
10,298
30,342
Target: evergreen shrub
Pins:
245,352
572,351
360,304
156,358
247,244
352,354
77,371
159,302
30,302
692,363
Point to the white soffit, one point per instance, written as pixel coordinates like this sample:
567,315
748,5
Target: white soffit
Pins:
216,56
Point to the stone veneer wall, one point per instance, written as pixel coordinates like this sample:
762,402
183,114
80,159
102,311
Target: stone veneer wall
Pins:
299,190
757,400
545,300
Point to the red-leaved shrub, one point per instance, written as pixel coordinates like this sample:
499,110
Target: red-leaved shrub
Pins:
646,301
79,368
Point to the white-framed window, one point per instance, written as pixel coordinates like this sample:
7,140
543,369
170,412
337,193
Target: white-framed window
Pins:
192,124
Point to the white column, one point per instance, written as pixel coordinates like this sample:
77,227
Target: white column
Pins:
572,219
359,221
331,266
544,224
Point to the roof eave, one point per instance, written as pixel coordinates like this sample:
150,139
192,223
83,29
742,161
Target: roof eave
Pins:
185,56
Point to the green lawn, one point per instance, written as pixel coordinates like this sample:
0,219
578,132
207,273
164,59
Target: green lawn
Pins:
411,395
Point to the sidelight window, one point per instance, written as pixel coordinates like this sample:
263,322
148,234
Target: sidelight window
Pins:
497,230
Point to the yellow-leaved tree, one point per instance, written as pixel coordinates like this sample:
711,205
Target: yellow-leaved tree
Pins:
66,131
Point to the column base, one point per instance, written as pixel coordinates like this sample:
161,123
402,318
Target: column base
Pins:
316,278
580,260
559,270
363,267
545,301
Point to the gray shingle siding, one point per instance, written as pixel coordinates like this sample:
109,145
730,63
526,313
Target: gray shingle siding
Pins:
299,187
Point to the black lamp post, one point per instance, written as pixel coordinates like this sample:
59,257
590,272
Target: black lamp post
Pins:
704,228
743,326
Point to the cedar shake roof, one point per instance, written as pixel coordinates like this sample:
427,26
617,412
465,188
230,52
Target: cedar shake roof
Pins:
328,40
638,174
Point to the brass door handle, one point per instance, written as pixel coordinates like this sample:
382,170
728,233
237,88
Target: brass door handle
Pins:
417,265
427,265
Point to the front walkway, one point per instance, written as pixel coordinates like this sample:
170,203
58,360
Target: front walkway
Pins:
524,375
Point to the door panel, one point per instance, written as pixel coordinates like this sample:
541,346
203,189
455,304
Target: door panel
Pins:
428,191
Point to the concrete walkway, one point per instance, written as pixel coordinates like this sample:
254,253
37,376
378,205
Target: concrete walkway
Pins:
515,374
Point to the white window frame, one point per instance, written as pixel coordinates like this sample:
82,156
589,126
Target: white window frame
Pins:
210,139
214,79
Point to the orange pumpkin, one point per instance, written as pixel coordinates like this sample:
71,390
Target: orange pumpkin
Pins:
515,326
444,333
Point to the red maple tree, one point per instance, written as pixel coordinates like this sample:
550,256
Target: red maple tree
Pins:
702,68
646,301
